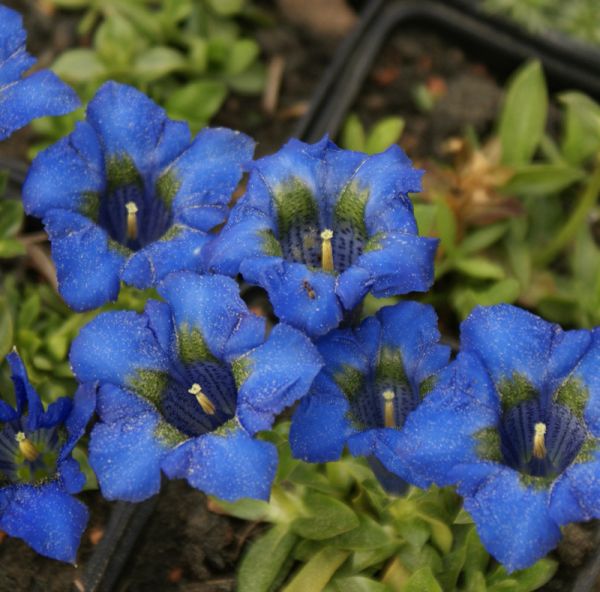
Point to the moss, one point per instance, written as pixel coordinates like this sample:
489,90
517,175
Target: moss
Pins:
149,384
192,346
488,445
350,208
573,395
390,367
515,391
296,206
270,245
241,370
121,172
350,381
167,187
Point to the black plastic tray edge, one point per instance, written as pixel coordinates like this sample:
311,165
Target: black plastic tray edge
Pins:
566,66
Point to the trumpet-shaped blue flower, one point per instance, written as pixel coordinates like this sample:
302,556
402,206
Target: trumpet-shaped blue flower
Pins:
373,379
24,99
185,386
515,423
320,227
37,472
130,196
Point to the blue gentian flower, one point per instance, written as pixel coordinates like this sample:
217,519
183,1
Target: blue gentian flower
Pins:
515,423
38,475
185,386
130,196
24,99
373,379
319,227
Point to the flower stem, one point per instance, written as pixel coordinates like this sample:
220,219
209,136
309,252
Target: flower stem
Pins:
587,201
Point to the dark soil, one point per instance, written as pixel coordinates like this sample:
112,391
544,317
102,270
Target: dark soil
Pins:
185,547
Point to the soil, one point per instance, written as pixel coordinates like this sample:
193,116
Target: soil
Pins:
185,547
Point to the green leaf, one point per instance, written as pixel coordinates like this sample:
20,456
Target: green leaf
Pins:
425,214
73,4
481,239
368,535
246,509
11,217
249,82
477,557
79,65
261,565
422,580
504,291
29,311
539,180
581,134
157,62
117,42
226,7
446,226
536,576
197,101
327,517
10,247
481,268
6,328
385,132
315,575
523,116
441,534
359,584
243,53
353,134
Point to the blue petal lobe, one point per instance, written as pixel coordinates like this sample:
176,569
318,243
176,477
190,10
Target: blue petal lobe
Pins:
231,465
280,372
46,518
126,457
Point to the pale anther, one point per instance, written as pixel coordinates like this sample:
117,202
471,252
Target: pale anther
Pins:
389,420
326,250
28,450
203,400
539,440
132,226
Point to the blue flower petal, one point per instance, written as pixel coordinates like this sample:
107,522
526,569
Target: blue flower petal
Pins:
229,465
71,476
208,173
320,425
25,394
56,413
115,404
114,347
411,327
240,239
14,59
179,252
42,93
397,263
160,322
575,494
129,124
302,298
510,341
278,373
126,457
46,518
86,265
212,305
66,174
84,405
437,438
512,520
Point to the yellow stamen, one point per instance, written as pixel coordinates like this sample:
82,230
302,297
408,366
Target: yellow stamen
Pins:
389,420
326,250
539,443
132,226
202,399
28,450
